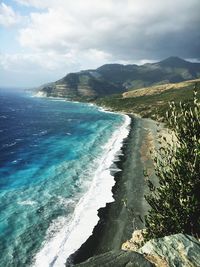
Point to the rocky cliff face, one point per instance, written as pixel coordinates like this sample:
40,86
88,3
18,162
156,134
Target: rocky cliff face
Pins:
116,78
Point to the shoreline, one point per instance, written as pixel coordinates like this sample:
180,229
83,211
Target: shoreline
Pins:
55,251
120,218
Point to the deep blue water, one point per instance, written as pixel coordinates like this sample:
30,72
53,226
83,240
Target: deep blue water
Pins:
48,154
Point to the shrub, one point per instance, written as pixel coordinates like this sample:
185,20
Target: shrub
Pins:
175,203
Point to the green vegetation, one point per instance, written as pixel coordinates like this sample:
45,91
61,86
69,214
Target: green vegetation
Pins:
175,203
150,105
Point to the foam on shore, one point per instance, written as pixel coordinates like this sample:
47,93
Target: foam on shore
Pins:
75,232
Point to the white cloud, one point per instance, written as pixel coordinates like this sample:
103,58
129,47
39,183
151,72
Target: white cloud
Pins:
193,60
52,62
32,62
113,26
34,69
8,17
69,35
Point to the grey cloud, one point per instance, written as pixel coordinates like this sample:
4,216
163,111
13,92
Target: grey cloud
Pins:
157,37
81,34
136,29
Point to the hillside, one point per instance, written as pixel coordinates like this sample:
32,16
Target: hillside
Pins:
158,89
116,78
79,86
151,101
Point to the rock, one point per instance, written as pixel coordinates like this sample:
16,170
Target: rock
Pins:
135,242
117,259
173,251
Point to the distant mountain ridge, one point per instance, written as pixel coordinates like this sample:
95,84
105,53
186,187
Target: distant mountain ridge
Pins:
117,78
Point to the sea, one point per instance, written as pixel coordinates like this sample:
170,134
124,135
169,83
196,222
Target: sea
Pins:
56,170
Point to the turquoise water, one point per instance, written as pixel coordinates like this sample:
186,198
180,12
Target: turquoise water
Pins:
49,152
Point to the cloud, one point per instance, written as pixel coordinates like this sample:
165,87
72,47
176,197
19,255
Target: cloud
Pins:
34,69
126,29
28,63
68,35
37,3
51,61
7,16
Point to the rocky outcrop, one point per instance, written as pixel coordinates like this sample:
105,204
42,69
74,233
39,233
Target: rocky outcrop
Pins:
136,241
117,259
173,251
170,251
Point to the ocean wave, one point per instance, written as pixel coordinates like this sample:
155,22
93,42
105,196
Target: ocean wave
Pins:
16,161
34,145
57,99
12,109
27,203
65,202
10,144
41,133
40,94
75,232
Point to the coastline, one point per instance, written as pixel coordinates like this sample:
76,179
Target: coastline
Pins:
124,207
120,218
55,251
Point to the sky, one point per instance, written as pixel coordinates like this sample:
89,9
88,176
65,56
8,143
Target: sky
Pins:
43,40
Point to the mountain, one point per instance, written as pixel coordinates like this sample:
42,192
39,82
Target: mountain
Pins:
81,85
117,78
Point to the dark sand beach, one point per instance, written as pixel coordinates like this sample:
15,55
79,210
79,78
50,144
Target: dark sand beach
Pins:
120,218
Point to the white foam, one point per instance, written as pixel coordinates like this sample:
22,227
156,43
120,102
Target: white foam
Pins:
40,94
27,203
16,161
75,232
10,145
60,99
64,202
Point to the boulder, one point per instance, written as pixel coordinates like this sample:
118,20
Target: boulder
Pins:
173,251
135,242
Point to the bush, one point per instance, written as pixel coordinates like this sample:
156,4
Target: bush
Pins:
175,203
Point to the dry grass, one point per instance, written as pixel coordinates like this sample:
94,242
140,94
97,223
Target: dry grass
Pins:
158,89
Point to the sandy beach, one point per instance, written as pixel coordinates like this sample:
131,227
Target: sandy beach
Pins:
120,218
